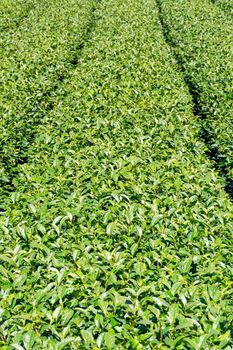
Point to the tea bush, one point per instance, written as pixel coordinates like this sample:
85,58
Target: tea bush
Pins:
35,59
202,35
13,12
225,5
118,232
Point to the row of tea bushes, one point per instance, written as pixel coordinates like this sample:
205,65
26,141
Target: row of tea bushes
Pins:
119,232
35,59
202,37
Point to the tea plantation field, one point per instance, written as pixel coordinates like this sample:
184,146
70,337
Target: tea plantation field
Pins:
116,175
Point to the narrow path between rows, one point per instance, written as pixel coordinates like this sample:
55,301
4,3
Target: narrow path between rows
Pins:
87,35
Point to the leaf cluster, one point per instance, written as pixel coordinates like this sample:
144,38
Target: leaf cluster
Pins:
225,5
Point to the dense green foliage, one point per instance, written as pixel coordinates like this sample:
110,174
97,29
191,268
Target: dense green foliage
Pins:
225,5
35,59
116,232
202,36
12,12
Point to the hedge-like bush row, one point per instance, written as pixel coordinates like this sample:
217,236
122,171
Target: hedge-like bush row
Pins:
119,232
35,59
202,37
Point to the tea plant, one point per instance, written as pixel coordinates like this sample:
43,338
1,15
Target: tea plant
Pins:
35,59
225,5
12,13
202,35
118,232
